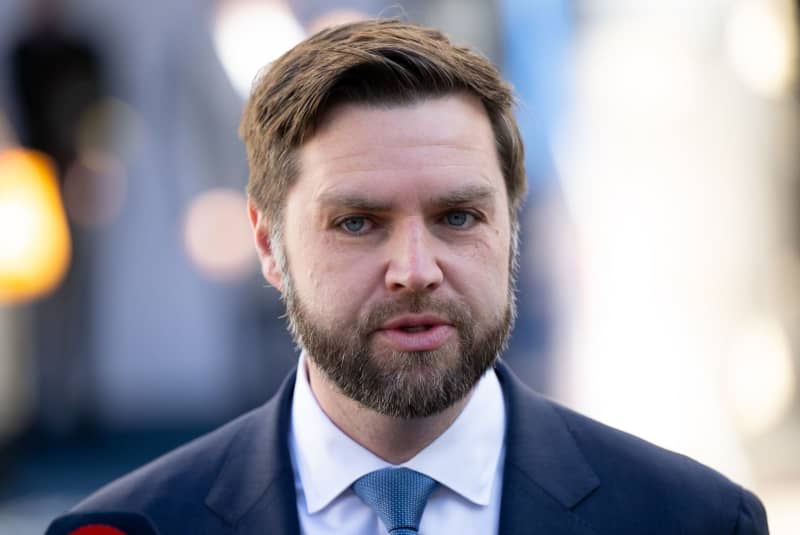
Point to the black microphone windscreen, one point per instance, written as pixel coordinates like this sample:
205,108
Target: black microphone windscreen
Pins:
111,523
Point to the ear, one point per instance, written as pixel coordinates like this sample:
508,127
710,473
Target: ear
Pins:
261,235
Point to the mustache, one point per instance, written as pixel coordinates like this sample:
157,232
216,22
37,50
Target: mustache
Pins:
450,310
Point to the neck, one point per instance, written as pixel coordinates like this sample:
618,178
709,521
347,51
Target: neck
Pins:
395,440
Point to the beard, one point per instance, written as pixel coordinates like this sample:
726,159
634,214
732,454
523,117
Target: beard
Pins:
401,384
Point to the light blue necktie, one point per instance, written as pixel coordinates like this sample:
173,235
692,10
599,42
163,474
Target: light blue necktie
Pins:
398,496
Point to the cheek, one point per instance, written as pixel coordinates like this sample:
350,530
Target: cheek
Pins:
480,274
329,280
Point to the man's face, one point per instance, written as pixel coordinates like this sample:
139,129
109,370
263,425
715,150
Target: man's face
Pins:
397,252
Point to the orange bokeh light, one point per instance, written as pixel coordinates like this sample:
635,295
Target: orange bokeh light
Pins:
35,245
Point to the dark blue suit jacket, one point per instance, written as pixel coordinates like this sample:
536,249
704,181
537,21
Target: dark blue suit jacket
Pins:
564,474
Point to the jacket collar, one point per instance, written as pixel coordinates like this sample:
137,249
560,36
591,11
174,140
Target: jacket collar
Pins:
545,472
254,490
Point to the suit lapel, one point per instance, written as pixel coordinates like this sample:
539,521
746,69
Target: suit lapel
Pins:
545,473
254,491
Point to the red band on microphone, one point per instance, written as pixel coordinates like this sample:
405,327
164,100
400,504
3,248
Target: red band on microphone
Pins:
97,529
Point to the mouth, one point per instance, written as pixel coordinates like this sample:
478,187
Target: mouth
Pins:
416,328
414,322
416,332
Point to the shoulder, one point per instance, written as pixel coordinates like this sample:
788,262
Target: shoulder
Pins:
177,482
617,482
642,480
207,482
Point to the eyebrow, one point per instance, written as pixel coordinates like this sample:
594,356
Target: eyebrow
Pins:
468,194
354,201
458,197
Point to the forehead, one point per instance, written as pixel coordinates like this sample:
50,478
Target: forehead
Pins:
430,144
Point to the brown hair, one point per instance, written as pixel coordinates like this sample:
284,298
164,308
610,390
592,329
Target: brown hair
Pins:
377,62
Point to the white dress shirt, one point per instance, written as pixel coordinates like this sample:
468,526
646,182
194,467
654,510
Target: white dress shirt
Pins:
467,461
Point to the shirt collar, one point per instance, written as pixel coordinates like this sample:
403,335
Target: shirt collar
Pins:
327,461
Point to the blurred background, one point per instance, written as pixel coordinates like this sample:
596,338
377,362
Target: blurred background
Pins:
660,280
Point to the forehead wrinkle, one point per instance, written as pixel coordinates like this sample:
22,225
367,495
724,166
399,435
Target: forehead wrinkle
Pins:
371,149
427,168
368,162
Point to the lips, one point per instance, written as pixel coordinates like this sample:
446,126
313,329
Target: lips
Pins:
413,321
416,332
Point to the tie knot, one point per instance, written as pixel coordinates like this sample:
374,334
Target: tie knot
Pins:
397,495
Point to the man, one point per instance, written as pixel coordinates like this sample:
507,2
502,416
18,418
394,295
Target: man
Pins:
386,176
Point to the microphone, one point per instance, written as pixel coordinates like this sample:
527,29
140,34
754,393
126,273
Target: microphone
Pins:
111,523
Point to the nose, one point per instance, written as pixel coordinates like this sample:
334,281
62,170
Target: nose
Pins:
413,263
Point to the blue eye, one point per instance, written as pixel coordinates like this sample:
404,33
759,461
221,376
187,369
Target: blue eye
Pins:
354,225
459,219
